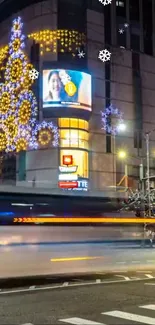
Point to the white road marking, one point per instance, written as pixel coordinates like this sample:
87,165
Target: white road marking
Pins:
123,262
150,261
150,307
149,276
79,321
150,284
135,262
131,317
124,277
65,284
32,287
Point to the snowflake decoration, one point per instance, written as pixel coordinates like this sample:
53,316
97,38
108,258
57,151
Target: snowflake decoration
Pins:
104,55
111,111
33,74
105,2
126,25
121,31
81,54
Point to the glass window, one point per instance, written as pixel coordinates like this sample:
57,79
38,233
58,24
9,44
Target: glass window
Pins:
135,42
64,122
74,138
80,159
121,8
94,5
147,26
73,123
134,10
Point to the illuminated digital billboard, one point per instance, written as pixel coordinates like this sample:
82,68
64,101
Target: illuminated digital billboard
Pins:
66,89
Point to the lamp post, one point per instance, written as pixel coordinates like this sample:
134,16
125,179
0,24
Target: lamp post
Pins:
122,155
121,127
147,137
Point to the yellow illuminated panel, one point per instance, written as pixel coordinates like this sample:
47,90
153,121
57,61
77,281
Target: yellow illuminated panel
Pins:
84,220
73,123
64,122
74,138
80,159
83,125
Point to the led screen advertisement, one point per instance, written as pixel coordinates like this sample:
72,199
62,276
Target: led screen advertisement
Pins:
66,89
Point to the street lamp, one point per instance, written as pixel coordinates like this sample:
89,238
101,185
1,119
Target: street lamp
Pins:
121,127
122,154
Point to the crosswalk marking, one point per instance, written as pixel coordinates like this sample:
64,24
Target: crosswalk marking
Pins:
131,317
79,321
150,307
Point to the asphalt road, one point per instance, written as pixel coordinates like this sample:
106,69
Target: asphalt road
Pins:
10,235
84,305
68,259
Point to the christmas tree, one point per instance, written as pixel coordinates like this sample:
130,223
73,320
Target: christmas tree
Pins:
19,129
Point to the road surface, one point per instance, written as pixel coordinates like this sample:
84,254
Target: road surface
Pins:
126,303
53,234
24,260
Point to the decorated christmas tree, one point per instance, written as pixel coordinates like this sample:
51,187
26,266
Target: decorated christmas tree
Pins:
19,129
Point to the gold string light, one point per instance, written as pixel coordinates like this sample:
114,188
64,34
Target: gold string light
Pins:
3,140
21,145
58,40
44,137
3,53
16,44
16,70
5,102
24,112
12,127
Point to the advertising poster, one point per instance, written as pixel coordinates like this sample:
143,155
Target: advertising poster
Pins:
66,88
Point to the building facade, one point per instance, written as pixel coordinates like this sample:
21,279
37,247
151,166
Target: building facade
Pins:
57,30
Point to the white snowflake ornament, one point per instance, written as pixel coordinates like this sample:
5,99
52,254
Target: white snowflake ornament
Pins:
81,54
121,31
105,2
33,74
104,55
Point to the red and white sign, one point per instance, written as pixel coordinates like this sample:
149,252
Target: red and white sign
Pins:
67,160
68,169
68,184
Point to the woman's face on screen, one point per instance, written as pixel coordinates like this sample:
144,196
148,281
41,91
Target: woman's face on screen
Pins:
55,85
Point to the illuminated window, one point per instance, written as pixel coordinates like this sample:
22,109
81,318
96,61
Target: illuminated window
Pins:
74,138
64,122
73,123
120,3
80,159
